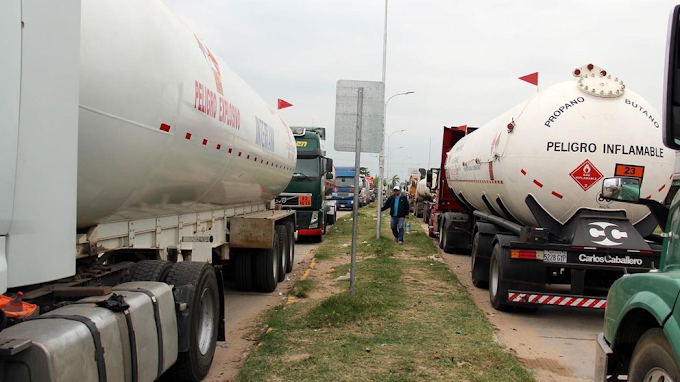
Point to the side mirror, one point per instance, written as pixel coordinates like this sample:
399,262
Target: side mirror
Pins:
428,179
671,89
624,189
329,165
329,175
621,189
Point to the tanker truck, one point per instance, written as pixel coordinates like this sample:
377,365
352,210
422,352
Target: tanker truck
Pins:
306,193
528,190
135,164
423,195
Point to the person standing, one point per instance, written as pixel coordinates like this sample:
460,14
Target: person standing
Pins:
399,208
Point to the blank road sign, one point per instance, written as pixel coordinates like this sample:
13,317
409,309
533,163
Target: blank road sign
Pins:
346,115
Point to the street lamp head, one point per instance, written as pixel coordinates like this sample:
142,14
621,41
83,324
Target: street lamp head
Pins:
409,92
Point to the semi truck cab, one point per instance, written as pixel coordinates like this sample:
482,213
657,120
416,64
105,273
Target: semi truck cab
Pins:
307,189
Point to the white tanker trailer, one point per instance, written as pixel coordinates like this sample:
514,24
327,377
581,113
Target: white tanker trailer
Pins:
133,158
528,185
423,195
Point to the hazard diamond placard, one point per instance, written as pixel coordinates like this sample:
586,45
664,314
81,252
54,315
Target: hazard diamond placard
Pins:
586,175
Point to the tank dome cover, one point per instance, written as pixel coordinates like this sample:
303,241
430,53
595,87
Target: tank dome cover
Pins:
595,81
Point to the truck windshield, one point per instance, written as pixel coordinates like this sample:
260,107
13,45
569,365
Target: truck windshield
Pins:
307,167
344,181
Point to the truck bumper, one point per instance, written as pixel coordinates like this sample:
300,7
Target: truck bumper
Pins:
603,352
526,298
310,232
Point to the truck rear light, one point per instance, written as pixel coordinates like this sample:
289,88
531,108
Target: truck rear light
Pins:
351,190
526,254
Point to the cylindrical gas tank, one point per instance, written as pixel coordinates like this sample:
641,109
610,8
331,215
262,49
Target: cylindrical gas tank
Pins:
558,146
165,126
422,191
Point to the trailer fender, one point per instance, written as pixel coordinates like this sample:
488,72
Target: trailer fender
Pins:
525,275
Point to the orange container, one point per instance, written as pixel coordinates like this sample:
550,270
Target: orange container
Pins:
28,308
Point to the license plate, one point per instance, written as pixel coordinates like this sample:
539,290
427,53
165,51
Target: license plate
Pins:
555,256
305,200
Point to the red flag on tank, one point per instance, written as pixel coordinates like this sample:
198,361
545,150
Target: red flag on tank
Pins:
283,104
531,78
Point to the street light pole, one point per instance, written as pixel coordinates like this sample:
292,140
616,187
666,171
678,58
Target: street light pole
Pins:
381,165
402,165
389,160
389,144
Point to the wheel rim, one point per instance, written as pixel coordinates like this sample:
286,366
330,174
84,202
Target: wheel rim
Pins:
494,277
207,325
657,375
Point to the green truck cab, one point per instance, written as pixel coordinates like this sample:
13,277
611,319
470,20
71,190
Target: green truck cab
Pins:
307,190
641,335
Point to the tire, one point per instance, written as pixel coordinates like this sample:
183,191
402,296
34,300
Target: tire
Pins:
444,241
267,266
441,235
473,262
317,239
653,359
290,232
331,219
498,289
194,364
243,264
148,270
283,251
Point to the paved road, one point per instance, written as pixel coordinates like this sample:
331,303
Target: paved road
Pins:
242,310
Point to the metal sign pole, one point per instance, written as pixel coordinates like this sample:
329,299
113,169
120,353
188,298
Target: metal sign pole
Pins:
355,209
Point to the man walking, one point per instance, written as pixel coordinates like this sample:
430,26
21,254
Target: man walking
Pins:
399,208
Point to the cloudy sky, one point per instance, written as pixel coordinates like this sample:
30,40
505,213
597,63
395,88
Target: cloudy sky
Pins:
461,58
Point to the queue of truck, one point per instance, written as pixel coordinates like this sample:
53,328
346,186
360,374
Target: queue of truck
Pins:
119,267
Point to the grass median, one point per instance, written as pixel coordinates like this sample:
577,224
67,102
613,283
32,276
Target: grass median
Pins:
410,319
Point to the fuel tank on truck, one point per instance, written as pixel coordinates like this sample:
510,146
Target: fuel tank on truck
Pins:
422,191
557,146
165,126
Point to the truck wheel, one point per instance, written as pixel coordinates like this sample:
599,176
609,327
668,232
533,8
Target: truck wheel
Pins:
267,265
498,289
331,219
444,242
148,270
441,235
653,359
243,264
283,252
203,305
475,265
317,239
290,232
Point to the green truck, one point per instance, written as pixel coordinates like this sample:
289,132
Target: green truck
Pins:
309,189
641,336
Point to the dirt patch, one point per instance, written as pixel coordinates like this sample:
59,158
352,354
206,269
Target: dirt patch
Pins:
546,364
